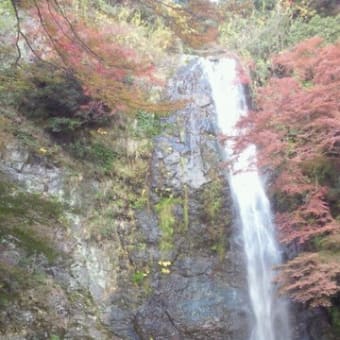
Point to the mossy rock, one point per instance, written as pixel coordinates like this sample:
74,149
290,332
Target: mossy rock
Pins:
165,210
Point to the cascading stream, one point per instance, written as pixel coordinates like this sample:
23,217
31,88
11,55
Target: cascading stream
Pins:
261,248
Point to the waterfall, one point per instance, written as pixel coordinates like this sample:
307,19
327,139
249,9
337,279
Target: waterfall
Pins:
261,249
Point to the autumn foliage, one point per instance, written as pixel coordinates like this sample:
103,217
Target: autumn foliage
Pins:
296,126
311,279
113,75
195,23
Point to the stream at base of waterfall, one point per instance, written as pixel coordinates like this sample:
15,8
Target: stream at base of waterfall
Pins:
260,246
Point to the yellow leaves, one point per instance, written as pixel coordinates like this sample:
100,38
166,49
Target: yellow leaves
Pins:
165,271
123,14
161,35
102,132
190,21
165,267
137,19
261,21
43,151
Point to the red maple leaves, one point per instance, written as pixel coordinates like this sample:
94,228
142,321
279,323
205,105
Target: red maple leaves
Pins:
297,123
311,278
111,73
297,130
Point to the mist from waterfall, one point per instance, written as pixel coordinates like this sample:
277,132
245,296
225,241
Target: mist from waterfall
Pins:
260,246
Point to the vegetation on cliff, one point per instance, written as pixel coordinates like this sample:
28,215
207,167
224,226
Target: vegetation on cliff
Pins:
90,73
296,128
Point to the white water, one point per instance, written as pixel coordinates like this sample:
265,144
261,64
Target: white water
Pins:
261,248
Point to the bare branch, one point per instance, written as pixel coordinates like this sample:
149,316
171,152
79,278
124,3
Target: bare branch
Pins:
21,34
18,32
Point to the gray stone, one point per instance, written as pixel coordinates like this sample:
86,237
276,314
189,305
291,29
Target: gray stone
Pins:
202,100
147,223
195,308
202,296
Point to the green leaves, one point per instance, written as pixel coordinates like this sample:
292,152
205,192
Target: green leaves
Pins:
324,27
95,152
148,125
63,124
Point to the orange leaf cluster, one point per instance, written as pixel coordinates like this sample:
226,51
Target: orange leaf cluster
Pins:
298,121
311,219
110,72
310,279
297,130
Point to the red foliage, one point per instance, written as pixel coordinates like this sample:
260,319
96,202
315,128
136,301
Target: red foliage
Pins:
298,120
311,219
297,130
110,72
311,279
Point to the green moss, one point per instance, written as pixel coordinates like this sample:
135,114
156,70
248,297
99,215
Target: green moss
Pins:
96,152
213,200
167,221
148,125
4,300
54,337
219,248
186,207
101,223
28,221
141,201
138,277
63,124
328,247
215,215
27,139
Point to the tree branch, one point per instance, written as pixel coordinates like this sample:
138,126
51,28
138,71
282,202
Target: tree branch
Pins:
18,33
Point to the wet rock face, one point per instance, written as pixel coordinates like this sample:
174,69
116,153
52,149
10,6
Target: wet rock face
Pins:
194,308
202,293
171,269
187,150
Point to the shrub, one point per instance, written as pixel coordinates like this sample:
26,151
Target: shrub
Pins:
324,27
95,152
57,100
148,125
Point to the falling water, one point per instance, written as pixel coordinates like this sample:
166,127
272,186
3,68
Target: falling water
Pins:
261,248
